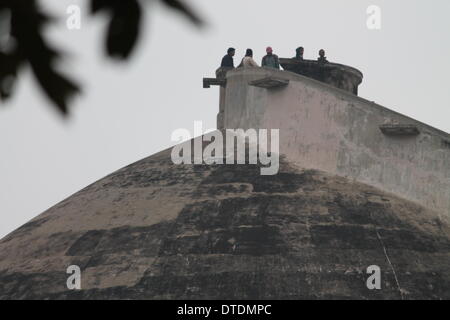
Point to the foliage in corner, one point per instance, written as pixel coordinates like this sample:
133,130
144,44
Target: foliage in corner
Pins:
22,43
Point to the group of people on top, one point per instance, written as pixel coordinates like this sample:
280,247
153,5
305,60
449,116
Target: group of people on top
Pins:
269,60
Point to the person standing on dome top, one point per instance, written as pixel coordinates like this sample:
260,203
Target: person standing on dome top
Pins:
248,61
322,58
299,53
227,60
270,60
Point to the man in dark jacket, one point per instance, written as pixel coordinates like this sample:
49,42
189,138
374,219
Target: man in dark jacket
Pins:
322,58
227,60
270,60
299,53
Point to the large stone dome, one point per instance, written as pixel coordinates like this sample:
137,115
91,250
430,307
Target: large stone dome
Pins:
156,230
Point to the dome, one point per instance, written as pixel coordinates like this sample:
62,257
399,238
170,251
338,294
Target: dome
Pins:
155,230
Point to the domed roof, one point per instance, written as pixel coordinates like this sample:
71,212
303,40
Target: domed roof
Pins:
155,230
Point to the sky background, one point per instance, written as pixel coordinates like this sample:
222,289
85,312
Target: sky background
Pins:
128,110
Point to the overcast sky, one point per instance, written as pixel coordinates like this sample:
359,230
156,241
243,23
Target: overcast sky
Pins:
128,111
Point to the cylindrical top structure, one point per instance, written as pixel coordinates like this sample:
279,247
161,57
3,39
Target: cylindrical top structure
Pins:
337,75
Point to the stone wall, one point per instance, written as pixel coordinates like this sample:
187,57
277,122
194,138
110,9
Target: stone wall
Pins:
329,129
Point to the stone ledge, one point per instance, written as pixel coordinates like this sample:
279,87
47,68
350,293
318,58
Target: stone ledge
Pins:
208,82
399,129
269,83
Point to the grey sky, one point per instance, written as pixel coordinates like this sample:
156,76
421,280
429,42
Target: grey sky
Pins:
128,111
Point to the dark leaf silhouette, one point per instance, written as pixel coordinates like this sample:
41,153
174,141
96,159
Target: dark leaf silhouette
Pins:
26,45
8,73
183,8
97,5
124,25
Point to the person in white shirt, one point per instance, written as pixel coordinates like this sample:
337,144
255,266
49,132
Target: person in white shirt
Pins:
248,61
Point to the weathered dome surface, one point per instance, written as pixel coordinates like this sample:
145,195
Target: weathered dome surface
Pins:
154,230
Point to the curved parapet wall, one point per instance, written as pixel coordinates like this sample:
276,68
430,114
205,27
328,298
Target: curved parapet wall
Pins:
325,128
337,75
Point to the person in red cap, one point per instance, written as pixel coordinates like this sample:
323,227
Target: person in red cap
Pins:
270,60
